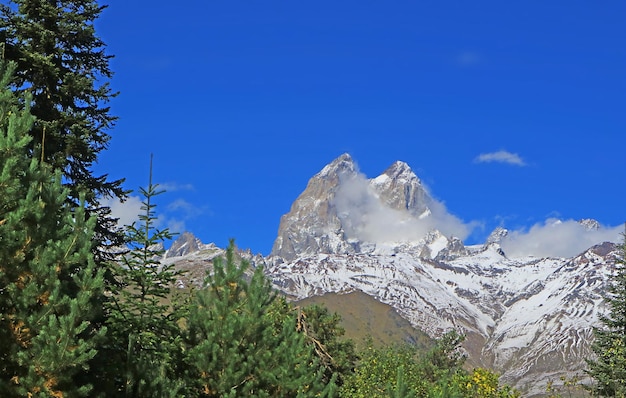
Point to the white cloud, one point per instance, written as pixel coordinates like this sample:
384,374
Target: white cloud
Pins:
366,218
500,157
176,226
555,238
173,215
178,212
127,212
184,210
174,186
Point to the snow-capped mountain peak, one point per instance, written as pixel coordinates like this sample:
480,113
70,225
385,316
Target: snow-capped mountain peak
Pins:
497,235
340,209
590,224
529,318
399,188
342,165
186,244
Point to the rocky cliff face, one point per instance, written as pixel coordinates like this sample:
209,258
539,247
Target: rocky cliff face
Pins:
312,225
400,189
331,215
186,244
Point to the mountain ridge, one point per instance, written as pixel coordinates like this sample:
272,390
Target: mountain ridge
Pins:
529,318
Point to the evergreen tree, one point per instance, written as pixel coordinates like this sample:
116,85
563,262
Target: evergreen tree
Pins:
144,313
609,367
236,346
323,330
62,64
49,289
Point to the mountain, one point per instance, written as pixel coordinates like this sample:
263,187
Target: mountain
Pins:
323,217
531,319
363,318
313,225
382,250
186,243
195,259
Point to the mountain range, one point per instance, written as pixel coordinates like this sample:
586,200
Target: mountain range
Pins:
529,318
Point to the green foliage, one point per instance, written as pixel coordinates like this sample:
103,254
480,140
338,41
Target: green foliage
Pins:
401,371
62,64
337,355
382,370
50,291
445,358
238,346
144,314
401,388
482,383
609,367
568,387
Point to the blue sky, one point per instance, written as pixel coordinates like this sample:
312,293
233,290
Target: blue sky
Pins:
511,113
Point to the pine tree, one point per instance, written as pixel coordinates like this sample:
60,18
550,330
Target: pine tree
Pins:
144,313
235,347
322,329
609,367
62,64
49,289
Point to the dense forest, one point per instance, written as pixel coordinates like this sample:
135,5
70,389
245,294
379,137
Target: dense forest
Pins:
88,310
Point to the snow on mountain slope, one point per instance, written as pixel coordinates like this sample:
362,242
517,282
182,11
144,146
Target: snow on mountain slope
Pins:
186,243
531,319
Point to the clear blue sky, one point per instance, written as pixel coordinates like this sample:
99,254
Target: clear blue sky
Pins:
242,102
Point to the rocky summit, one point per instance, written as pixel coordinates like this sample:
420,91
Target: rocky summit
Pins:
186,243
323,218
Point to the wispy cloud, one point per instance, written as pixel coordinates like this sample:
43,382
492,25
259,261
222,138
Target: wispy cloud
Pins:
500,157
556,238
178,212
174,186
173,215
365,217
176,226
127,212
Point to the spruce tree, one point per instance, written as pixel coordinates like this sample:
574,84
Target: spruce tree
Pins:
323,331
144,313
609,367
50,291
62,64
235,347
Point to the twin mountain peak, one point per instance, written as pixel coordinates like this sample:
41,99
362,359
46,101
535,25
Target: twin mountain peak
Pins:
318,223
333,209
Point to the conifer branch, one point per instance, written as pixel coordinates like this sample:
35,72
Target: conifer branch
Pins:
320,349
